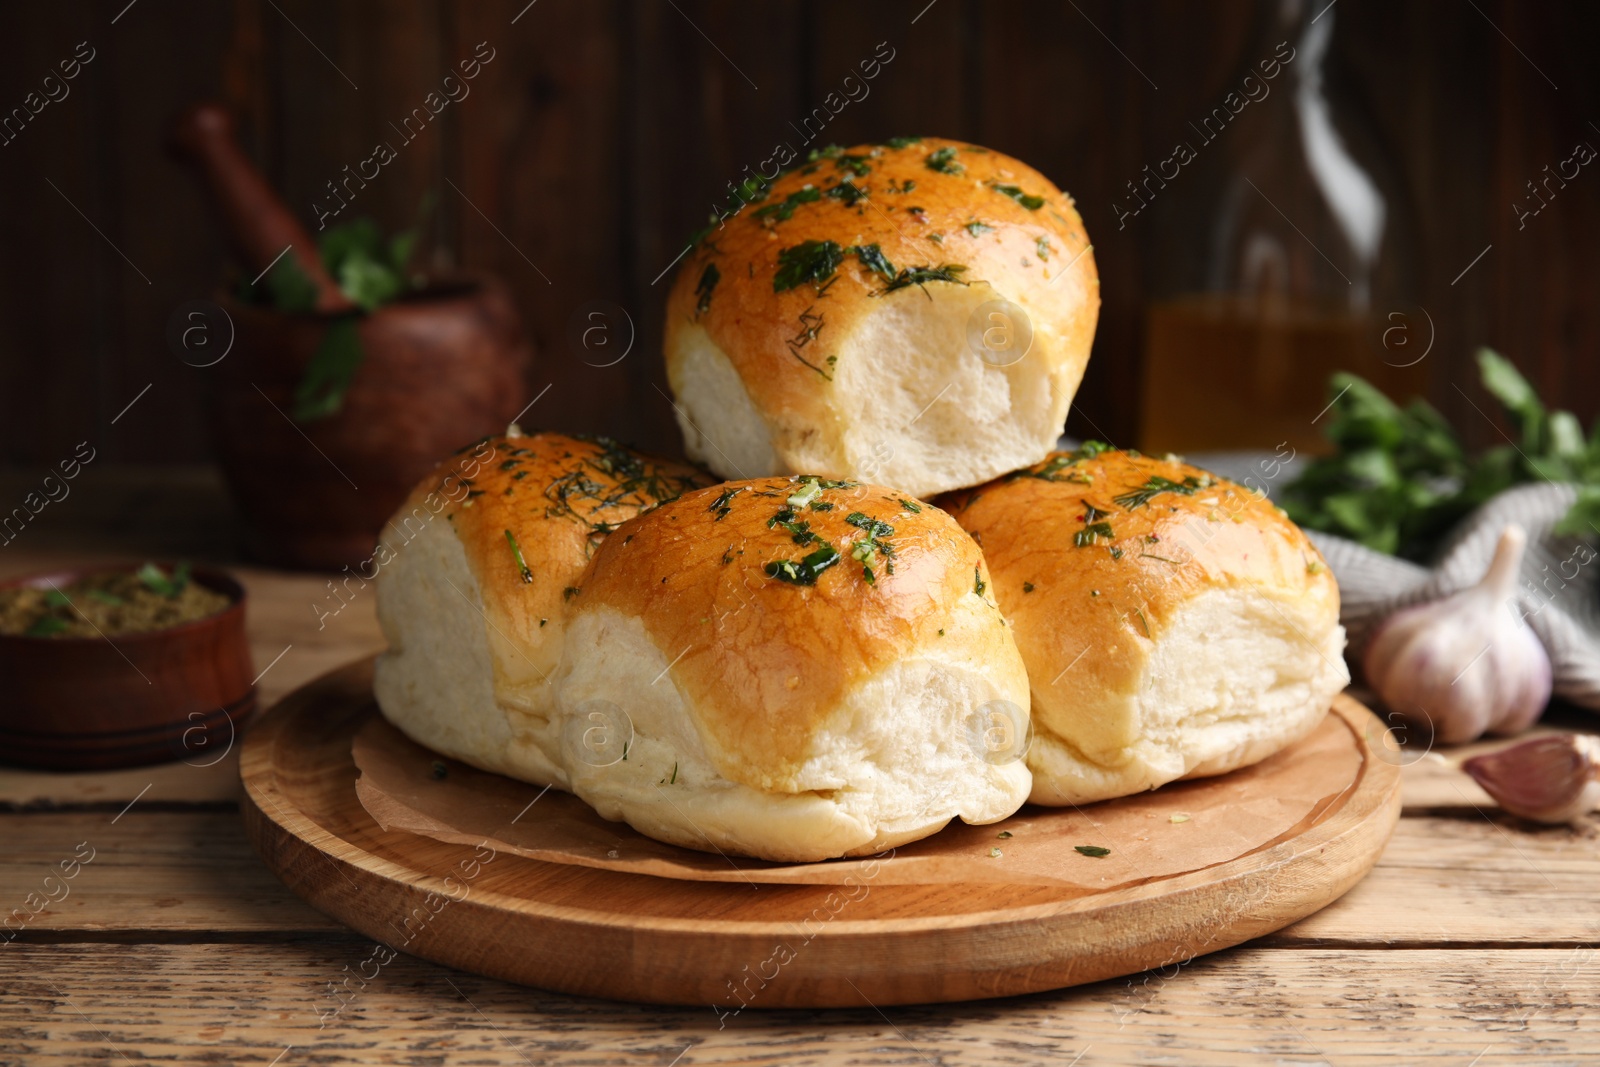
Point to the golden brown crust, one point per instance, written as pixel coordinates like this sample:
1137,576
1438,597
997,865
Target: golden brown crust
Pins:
763,661
1116,594
916,216
558,497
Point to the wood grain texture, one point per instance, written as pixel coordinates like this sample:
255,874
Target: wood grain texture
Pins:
263,1004
598,137
598,932
167,868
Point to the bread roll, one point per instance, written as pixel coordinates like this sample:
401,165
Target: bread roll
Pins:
798,670
473,575
1174,624
915,314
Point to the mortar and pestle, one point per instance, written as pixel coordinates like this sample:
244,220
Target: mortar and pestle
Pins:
443,366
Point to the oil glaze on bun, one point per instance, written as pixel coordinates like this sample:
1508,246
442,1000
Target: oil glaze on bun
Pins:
835,325
474,574
797,664
1174,624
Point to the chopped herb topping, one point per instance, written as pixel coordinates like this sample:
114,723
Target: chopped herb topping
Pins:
799,529
901,142
1027,200
872,258
978,584
784,209
865,550
1156,484
1027,587
158,582
629,482
571,591
724,501
1050,470
1092,533
919,276
995,853
804,571
1043,244
848,192
708,281
910,505
811,262
47,626
1003,834
516,554
1092,850
943,160
975,227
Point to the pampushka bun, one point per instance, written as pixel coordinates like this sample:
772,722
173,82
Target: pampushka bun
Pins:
917,314
802,669
1174,624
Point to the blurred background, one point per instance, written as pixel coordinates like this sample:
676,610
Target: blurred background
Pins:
1427,158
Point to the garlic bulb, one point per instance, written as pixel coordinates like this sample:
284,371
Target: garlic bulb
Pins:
1466,664
1549,779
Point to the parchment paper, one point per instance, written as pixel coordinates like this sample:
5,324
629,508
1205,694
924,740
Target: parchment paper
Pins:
1227,817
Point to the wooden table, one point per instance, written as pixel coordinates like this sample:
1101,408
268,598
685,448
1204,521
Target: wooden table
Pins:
1475,941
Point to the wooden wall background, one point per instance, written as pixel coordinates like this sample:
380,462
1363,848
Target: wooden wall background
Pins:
602,130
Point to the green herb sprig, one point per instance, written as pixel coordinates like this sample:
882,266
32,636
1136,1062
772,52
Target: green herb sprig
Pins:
1400,478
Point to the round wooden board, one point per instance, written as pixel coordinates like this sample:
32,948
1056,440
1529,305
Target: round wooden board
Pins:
596,932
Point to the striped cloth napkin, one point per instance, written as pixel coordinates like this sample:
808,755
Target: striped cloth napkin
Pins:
1560,595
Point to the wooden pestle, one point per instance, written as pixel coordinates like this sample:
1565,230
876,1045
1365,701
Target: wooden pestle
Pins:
257,221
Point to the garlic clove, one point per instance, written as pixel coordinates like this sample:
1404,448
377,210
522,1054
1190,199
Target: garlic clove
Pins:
1551,779
1467,664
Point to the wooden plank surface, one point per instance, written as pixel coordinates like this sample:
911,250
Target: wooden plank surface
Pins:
1473,941
263,1004
1482,882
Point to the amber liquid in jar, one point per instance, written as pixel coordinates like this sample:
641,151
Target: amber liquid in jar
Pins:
1225,371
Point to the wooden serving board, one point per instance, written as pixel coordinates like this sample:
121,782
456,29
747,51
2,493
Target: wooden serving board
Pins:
738,945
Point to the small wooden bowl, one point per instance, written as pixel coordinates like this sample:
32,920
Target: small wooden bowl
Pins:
90,703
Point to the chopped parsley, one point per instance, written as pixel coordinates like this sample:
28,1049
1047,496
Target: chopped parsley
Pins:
157,581
724,501
1091,850
799,529
910,506
1091,534
1027,587
708,281
975,227
784,209
872,258
943,160
516,553
866,550
804,571
901,142
848,192
1027,200
978,584
811,262
1043,244
919,276
1156,484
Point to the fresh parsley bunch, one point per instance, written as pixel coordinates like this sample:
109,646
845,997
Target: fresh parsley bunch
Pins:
1399,478
371,272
